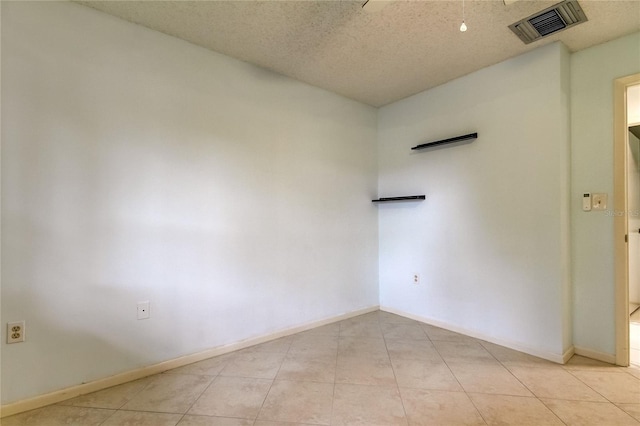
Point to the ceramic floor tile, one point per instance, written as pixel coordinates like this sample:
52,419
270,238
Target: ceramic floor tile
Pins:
314,344
510,358
586,413
139,418
324,330
412,349
514,410
362,347
463,352
359,324
238,397
429,407
270,423
632,409
403,331
617,387
487,378
440,334
169,393
190,420
634,371
114,397
393,318
357,329
303,402
424,374
258,365
308,367
277,346
555,383
367,406
372,317
207,367
364,371
58,415
578,362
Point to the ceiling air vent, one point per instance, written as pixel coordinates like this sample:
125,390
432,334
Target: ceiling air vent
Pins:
549,21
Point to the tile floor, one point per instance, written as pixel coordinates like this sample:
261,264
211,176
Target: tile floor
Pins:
375,369
634,340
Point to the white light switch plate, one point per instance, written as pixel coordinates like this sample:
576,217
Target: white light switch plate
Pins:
599,201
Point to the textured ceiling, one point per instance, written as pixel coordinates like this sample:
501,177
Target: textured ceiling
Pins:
376,58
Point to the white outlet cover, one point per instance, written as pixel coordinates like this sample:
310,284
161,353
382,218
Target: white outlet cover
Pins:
143,310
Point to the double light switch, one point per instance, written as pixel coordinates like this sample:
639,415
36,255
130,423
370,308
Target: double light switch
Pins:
595,201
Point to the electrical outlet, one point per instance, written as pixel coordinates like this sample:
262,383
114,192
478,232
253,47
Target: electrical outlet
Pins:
15,332
416,278
143,310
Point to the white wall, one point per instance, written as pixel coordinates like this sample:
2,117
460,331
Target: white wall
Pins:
136,166
491,240
593,71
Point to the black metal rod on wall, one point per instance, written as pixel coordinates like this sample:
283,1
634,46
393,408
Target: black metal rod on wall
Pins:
445,141
407,198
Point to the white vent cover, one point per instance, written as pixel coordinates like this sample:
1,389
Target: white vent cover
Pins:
549,21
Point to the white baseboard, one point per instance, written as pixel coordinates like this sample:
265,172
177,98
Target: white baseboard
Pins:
557,358
568,354
600,356
128,376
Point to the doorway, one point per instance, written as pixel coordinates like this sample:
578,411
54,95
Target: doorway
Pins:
633,200
626,222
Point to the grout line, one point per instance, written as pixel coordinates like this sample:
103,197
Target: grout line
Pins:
335,378
590,387
199,396
395,378
105,420
522,383
255,420
151,380
476,407
549,408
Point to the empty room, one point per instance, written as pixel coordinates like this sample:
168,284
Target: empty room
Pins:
320,212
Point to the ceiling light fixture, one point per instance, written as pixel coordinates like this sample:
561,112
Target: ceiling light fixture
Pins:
463,27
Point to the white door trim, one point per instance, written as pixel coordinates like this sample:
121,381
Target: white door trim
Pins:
620,225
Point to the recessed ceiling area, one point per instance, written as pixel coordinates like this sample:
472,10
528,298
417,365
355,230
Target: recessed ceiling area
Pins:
376,58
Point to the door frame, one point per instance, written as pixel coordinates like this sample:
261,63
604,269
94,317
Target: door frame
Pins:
620,223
